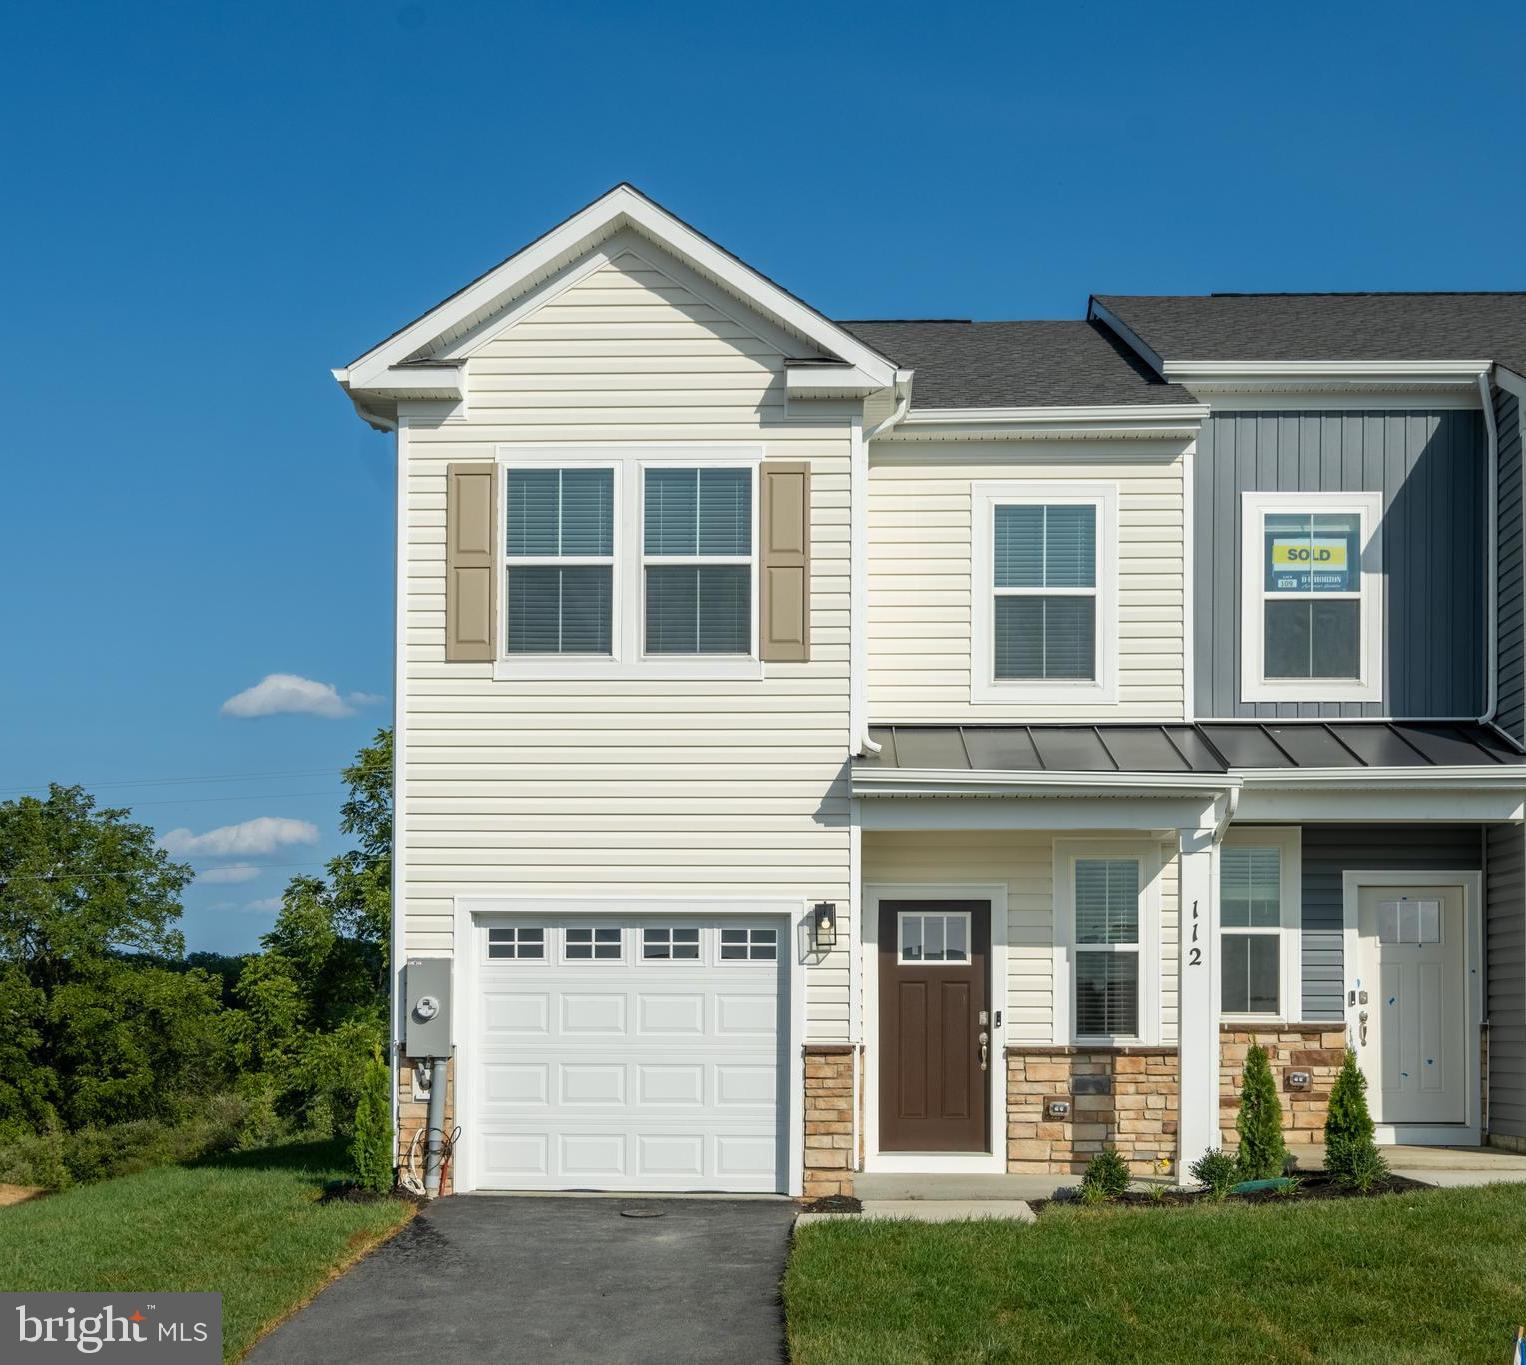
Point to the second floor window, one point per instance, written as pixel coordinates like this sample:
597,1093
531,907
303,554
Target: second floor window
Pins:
1043,627
1311,625
560,580
697,560
1046,591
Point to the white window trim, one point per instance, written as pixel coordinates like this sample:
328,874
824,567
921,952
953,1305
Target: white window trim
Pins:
952,962
1368,686
984,499
1288,841
628,659
1066,853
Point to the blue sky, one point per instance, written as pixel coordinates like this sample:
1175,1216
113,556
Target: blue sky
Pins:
207,206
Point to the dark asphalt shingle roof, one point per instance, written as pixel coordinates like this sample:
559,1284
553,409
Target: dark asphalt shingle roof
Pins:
1327,326
1214,747
963,364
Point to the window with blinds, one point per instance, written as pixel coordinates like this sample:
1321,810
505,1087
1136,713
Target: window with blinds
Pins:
560,561
1250,921
1107,947
1045,584
697,560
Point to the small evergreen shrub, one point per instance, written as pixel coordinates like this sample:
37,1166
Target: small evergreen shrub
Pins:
1263,1153
1107,1176
371,1146
1348,1125
1216,1169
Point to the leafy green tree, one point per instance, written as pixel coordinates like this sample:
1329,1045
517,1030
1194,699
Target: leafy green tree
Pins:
1263,1152
371,1147
313,1003
94,1029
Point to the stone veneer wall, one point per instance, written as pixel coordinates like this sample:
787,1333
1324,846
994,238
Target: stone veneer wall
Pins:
1317,1048
1120,1097
1127,1097
413,1115
829,1154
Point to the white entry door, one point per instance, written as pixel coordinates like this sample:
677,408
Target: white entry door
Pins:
1412,955
629,1052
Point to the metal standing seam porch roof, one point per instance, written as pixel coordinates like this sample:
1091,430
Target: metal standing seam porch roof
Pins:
1202,749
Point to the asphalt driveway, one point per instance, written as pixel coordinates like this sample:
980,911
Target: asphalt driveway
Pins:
485,1278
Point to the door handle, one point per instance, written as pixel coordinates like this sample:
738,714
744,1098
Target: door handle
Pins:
1362,1023
985,1039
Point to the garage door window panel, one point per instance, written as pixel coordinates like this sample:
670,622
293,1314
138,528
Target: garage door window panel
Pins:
670,944
594,943
516,942
754,945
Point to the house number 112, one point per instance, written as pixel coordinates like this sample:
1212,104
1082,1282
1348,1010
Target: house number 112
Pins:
1194,954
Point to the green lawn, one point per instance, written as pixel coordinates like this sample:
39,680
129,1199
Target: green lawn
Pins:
1425,1276
247,1226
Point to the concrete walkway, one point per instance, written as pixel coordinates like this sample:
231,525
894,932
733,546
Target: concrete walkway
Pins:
553,1281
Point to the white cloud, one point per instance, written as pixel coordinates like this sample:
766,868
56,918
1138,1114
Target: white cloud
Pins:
248,840
233,872
290,694
268,906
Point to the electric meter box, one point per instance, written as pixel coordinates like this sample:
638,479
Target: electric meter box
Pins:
426,994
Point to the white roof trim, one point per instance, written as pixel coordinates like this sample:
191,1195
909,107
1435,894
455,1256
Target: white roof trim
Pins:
1162,421
622,205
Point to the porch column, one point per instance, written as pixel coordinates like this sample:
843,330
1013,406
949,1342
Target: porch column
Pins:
1198,998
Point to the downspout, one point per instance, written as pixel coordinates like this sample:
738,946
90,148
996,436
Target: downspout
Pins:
858,666
1491,598
1231,805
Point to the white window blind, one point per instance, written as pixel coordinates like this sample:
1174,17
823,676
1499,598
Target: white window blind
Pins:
1107,947
698,560
1250,918
1045,580
560,557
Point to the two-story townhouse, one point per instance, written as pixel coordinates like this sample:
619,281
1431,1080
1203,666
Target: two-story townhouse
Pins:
941,746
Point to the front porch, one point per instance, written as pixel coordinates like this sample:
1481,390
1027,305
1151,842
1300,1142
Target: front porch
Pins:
1110,945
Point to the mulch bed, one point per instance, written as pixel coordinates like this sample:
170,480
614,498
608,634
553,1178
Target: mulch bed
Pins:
1312,1185
835,1203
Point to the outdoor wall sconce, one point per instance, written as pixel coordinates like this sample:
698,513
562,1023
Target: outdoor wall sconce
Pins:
824,925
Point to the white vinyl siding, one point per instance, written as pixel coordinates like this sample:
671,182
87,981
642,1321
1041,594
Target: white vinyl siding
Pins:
728,787
1024,860
923,594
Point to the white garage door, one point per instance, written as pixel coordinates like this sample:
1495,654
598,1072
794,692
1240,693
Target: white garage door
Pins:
631,1053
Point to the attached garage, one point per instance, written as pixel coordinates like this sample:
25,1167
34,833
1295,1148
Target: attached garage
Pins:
629,1052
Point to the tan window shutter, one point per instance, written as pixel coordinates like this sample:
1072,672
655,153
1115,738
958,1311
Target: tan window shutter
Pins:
471,580
784,628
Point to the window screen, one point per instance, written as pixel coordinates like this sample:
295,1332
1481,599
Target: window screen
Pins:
560,548
698,551
1045,577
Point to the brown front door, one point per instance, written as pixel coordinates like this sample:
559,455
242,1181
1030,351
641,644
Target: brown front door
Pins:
934,1005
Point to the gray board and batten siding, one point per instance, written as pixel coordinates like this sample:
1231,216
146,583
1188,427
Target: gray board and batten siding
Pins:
1505,954
1429,468
1329,851
1510,706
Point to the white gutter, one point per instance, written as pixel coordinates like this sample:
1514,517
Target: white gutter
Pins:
1491,597
1007,782
858,566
